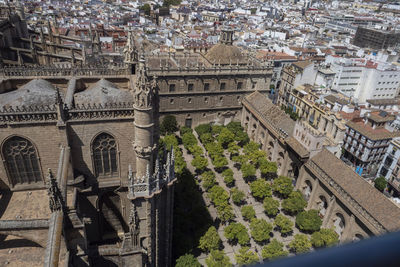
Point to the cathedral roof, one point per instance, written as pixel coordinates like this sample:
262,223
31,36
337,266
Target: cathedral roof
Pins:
37,92
103,92
225,54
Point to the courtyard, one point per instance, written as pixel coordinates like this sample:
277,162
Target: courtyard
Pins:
254,214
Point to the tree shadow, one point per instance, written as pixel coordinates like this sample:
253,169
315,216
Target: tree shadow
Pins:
16,243
4,200
191,216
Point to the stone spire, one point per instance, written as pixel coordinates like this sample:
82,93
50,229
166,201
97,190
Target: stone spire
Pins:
55,198
144,122
130,50
20,9
60,108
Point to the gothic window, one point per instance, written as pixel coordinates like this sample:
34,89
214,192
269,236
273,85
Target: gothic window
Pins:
21,161
105,155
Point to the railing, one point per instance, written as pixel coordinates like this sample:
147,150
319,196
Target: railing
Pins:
28,114
120,110
64,70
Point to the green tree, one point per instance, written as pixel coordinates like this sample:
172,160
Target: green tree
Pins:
168,125
324,238
227,172
233,149
245,256
237,196
239,159
308,221
184,130
294,203
168,3
188,140
273,250
248,170
196,150
260,229
271,206
218,195
146,9
251,147
225,137
180,163
242,138
214,150
216,129
235,127
210,240
228,177
219,162
254,156
229,181
169,141
237,232
248,212
208,179
206,138
282,186
284,224
268,169
380,183
260,189
300,244
253,11
217,258
202,129
200,163
187,260
225,212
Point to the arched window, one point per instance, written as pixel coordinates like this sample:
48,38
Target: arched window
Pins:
322,205
21,161
339,223
105,155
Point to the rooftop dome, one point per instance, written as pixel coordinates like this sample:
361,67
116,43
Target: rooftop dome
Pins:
225,52
103,92
37,92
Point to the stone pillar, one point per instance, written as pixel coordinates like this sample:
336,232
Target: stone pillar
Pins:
313,195
348,229
328,213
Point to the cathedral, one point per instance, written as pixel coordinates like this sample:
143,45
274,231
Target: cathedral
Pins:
87,137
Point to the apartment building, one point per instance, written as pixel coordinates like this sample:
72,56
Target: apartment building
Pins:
298,73
367,139
390,166
363,79
305,101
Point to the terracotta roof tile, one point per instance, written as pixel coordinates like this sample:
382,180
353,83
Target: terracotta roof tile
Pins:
373,201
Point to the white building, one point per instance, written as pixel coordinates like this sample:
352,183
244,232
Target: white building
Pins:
363,79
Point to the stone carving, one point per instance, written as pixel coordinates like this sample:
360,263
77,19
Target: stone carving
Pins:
55,198
143,152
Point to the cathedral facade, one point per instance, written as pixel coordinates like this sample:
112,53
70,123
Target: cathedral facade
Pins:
95,132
